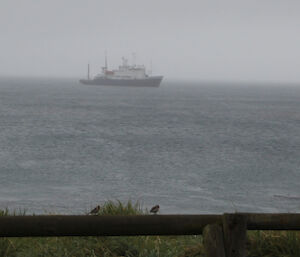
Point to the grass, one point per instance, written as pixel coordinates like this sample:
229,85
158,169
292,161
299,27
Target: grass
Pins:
118,208
260,244
274,243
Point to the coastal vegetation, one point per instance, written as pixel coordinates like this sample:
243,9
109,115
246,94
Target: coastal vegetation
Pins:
260,243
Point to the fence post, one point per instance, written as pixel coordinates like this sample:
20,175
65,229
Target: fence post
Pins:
235,232
213,241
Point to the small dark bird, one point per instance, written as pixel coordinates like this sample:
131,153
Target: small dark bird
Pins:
154,209
95,210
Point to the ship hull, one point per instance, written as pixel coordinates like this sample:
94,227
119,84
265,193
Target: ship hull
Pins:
102,81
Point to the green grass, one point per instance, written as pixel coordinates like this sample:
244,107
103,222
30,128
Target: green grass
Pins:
260,244
274,243
118,208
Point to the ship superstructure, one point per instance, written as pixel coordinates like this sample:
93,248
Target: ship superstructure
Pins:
125,75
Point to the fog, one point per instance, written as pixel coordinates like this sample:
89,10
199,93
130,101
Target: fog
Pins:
255,40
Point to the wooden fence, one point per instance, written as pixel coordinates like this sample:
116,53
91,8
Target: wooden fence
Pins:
224,235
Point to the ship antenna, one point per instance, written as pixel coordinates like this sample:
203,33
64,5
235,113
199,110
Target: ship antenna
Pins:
133,59
105,60
150,72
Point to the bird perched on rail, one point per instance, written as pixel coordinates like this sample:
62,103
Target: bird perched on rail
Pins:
154,209
95,210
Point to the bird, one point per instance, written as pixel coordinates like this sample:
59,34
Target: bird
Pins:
95,210
154,209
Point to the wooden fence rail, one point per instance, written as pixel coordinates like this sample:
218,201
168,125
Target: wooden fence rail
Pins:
133,225
224,235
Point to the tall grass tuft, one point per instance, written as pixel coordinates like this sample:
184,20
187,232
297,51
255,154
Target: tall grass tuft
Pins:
4,212
119,208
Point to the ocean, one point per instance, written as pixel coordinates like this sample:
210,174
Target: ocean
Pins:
191,147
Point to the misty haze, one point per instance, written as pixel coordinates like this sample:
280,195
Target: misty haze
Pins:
179,107
204,40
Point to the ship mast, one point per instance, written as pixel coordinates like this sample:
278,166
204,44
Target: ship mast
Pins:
88,72
133,59
105,60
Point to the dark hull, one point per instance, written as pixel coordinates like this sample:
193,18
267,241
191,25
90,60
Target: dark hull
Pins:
147,82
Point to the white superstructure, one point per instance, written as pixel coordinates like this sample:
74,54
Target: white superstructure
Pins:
125,71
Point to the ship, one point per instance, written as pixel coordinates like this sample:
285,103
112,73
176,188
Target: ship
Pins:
126,75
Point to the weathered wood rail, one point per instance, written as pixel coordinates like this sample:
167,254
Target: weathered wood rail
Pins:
224,235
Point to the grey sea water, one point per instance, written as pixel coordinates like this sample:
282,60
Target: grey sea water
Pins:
190,147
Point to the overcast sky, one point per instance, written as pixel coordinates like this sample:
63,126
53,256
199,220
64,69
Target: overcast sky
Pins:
250,40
